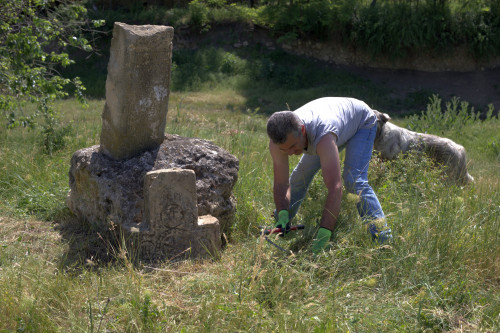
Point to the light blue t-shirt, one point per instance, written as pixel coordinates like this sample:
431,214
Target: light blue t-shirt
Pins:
338,115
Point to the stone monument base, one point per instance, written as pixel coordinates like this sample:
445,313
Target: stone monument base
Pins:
134,195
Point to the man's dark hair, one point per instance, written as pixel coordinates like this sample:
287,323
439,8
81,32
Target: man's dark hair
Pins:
281,123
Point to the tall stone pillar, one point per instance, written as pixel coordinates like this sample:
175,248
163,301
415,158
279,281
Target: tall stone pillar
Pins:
137,89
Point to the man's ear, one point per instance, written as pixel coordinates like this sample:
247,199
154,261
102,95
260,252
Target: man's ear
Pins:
303,129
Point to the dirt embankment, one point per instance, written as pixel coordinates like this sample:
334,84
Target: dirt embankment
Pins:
452,74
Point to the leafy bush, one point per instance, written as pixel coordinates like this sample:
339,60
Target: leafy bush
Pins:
301,18
393,28
388,28
199,15
397,28
436,120
382,28
478,24
34,37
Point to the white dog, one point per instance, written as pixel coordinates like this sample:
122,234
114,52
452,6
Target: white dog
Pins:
392,140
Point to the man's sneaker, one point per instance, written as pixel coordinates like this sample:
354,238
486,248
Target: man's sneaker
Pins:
380,235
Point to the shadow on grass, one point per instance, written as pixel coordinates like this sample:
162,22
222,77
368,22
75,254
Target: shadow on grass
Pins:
89,245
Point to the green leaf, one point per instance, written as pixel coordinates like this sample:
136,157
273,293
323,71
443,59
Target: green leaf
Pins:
28,70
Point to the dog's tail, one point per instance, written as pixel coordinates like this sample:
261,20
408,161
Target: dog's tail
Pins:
382,117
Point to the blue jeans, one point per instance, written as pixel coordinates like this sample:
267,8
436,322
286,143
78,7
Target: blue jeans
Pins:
358,152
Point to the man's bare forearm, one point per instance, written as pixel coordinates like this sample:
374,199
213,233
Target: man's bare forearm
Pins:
332,209
281,196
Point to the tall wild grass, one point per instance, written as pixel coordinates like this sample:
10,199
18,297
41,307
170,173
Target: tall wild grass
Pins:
440,273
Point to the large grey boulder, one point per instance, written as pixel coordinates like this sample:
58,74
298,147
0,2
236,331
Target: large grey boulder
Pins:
103,189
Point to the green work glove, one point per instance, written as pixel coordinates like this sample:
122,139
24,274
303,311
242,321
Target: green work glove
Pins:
283,219
321,240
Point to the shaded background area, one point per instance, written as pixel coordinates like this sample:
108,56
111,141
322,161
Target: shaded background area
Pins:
249,60
479,88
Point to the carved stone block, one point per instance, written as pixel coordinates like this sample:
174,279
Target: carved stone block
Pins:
171,224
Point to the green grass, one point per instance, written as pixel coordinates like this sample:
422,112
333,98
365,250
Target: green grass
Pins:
440,274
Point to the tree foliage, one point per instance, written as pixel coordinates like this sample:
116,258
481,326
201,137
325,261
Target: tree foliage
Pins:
384,27
35,36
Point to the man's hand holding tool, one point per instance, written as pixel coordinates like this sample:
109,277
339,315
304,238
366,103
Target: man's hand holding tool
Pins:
283,222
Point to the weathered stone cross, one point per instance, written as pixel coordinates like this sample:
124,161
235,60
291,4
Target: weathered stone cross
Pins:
153,186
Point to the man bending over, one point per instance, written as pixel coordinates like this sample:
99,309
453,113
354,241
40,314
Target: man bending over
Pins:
316,131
